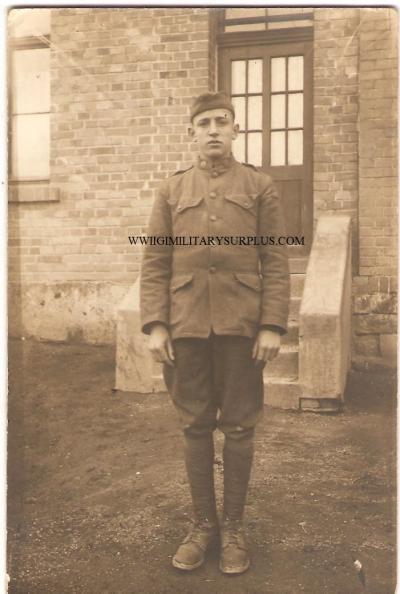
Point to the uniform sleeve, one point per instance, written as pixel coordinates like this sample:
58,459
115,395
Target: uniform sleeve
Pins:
274,262
156,267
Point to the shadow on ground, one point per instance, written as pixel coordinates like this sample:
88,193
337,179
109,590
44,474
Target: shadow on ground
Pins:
98,498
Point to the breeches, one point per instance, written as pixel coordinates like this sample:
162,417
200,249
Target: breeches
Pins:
216,383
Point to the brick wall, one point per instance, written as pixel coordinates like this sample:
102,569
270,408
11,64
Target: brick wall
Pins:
336,47
121,83
355,132
375,303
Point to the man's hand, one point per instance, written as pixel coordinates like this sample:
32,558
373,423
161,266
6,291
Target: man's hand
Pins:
160,345
266,346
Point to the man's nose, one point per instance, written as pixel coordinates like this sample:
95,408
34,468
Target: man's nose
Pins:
213,128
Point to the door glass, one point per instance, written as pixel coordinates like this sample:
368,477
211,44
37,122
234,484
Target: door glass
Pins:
254,148
255,113
247,98
238,77
295,73
287,110
278,108
278,148
278,74
255,76
239,103
295,147
295,110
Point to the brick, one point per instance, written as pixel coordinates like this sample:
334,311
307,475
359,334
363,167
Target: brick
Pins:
380,303
367,345
375,324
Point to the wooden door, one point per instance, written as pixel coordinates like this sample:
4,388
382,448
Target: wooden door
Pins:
271,88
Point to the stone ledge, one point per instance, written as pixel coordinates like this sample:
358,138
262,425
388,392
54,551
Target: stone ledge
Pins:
32,191
325,313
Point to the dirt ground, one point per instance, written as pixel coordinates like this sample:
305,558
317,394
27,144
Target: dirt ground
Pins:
98,498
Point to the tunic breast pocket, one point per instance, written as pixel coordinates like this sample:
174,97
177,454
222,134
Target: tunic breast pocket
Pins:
240,213
188,215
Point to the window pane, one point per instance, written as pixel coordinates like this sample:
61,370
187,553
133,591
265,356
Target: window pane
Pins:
295,73
30,146
277,148
255,76
238,148
295,147
278,74
254,113
244,13
31,81
254,148
238,77
278,109
240,111
29,22
296,110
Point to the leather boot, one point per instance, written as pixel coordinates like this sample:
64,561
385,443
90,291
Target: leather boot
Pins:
238,458
191,553
199,461
234,553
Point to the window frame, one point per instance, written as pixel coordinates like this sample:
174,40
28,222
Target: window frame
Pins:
18,44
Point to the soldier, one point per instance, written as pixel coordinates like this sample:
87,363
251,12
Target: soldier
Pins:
215,315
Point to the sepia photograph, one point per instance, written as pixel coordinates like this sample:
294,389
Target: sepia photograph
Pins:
202,284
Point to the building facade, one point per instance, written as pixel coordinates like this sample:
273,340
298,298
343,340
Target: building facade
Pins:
99,101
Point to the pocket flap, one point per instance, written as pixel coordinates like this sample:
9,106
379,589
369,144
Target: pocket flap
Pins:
250,279
246,201
180,281
186,202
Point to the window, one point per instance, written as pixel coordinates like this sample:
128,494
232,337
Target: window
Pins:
286,107
29,90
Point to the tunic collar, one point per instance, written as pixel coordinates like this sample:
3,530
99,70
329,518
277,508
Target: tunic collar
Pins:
214,166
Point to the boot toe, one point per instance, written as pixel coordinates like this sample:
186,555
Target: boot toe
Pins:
234,560
189,556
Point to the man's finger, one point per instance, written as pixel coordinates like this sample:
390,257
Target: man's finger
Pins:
170,351
260,354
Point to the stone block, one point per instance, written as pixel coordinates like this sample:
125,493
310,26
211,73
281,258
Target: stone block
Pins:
135,368
388,347
375,324
367,345
378,303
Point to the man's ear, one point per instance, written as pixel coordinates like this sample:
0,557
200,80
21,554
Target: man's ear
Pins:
191,133
235,131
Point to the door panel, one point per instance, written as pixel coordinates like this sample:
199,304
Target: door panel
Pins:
271,88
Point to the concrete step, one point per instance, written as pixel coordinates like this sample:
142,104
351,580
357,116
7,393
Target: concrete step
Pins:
298,265
297,284
294,309
282,392
286,363
292,336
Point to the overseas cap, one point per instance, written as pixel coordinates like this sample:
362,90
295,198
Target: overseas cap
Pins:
210,101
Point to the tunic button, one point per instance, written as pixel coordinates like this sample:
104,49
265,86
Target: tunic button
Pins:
179,208
213,218
203,164
214,173
213,269
246,203
213,195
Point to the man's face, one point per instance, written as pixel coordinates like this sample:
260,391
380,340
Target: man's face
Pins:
214,130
